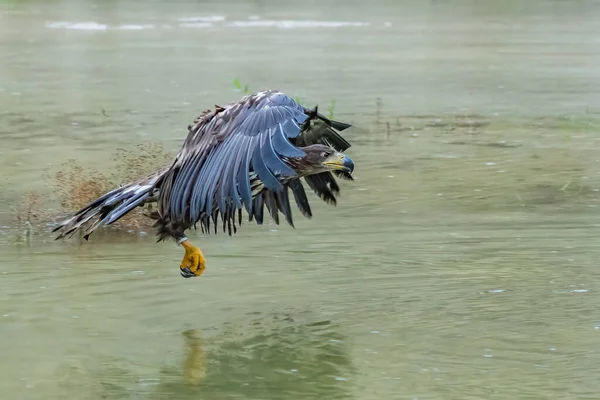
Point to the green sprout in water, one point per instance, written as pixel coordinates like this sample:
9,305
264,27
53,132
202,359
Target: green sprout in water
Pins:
331,108
238,86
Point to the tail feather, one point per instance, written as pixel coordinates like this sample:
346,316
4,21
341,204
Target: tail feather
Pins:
114,215
111,206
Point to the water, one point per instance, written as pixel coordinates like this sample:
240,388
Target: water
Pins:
461,263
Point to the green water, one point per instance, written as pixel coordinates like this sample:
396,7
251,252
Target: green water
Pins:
461,264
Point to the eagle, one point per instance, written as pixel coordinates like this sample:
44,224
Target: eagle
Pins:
249,154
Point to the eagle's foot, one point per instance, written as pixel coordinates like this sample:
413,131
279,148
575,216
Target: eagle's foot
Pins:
193,263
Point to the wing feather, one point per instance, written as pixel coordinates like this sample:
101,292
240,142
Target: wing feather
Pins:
271,204
259,165
283,201
244,181
273,160
282,146
300,198
258,209
318,184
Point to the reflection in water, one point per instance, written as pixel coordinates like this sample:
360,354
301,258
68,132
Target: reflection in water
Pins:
194,367
283,361
266,359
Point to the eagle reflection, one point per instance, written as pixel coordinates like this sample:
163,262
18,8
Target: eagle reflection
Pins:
292,362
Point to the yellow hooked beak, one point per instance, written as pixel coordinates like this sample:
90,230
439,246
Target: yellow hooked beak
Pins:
339,162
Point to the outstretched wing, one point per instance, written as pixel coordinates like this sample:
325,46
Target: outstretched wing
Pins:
210,175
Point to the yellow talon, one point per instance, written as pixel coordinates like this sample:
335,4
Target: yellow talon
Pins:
193,263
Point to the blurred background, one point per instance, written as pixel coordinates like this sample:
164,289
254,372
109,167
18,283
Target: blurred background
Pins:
461,263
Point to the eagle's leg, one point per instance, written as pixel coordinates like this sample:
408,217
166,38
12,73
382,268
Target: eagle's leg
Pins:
193,263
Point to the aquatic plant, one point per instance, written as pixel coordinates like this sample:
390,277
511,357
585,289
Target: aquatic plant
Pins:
244,89
331,109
